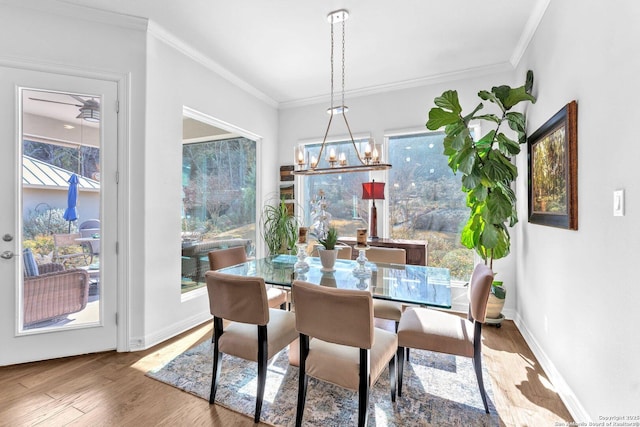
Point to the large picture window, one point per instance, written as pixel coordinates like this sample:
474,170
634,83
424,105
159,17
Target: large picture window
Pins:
425,201
218,202
342,192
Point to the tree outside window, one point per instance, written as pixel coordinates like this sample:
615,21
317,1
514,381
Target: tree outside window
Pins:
425,201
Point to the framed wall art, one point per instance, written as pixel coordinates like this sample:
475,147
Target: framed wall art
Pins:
553,170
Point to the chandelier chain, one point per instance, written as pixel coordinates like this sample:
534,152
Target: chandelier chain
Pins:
332,64
343,67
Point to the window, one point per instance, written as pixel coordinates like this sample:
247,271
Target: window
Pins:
218,202
342,192
425,201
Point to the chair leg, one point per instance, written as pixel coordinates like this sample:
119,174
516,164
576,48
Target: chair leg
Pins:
400,357
477,362
217,358
262,369
363,389
302,378
283,306
397,324
392,377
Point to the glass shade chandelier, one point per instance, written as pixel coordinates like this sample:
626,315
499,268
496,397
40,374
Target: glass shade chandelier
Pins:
368,159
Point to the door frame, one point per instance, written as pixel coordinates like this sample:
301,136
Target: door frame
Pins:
123,276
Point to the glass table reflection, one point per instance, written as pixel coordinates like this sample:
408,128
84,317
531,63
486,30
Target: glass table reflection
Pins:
413,284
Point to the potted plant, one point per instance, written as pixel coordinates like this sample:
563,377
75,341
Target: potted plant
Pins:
328,253
279,228
486,167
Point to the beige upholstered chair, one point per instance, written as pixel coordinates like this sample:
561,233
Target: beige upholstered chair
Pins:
255,333
344,252
346,349
237,255
447,333
387,309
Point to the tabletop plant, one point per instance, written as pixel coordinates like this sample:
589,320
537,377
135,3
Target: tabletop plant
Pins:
279,228
329,242
485,164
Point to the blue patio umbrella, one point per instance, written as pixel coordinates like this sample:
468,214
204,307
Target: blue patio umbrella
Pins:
71,213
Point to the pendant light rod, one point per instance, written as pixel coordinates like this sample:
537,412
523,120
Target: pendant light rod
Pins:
372,155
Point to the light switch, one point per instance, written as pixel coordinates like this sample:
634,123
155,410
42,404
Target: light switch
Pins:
618,203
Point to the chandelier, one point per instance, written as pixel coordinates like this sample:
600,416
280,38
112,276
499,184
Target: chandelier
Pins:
307,162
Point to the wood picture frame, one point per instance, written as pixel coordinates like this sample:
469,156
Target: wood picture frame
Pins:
553,170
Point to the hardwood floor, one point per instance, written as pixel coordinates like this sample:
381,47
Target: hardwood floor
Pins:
108,389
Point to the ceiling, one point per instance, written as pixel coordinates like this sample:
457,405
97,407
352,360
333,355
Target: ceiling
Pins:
281,48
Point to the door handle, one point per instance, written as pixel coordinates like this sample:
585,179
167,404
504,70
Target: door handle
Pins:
7,255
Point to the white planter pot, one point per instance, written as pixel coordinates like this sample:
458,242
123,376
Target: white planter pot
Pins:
328,258
494,307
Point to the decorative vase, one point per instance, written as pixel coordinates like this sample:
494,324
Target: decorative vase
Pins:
328,258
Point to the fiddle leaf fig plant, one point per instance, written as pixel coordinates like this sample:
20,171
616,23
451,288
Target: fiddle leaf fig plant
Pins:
485,164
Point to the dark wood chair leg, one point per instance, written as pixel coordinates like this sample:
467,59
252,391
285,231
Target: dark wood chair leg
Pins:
283,306
262,369
477,362
400,357
217,358
392,377
363,389
397,324
302,378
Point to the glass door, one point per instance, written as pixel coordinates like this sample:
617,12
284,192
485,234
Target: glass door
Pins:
56,240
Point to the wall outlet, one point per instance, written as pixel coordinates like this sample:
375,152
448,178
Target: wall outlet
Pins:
618,203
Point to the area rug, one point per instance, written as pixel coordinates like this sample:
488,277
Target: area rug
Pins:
438,390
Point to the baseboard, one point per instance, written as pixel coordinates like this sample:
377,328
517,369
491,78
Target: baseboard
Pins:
147,341
567,395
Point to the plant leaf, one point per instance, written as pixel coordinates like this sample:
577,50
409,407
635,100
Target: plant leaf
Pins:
489,117
498,207
489,96
517,95
466,159
507,146
439,118
487,140
449,101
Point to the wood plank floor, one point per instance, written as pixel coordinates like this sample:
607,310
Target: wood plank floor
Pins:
111,389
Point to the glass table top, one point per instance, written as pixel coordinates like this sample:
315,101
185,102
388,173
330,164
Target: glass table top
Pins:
412,284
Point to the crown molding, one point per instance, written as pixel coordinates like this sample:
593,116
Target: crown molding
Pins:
406,84
170,39
80,12
529,31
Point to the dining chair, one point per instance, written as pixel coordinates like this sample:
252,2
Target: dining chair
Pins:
339,343
237,255
344,252
444,332
256,332
383,309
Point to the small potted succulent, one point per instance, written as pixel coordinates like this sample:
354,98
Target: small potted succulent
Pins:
328,252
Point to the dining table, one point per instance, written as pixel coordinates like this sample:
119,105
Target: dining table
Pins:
411,284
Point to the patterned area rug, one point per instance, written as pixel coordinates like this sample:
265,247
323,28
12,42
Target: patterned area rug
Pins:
438,390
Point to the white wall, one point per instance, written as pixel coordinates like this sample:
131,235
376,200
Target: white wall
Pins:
175,80
577,296
401,109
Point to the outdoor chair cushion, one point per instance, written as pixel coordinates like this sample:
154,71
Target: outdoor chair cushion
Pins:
30,265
